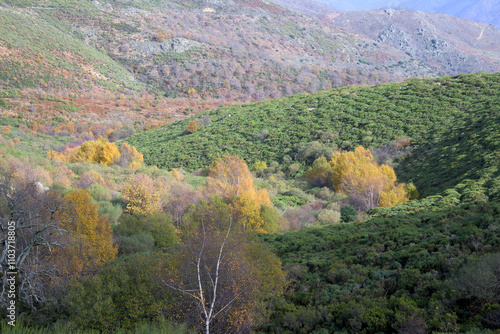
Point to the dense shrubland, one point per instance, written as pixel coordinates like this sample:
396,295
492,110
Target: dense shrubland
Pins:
145,242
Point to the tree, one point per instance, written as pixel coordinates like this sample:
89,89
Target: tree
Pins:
192,127
156,224
121,295
357,175
98,151
142,195
130,157
320,172
348,214
30,225
89,241
222,278
230,178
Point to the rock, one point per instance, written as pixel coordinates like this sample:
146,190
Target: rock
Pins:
40,187
176,45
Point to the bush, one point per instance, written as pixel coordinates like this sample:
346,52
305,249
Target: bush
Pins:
327,217
112,212
136,243
348,214
122,295
99,192
158,225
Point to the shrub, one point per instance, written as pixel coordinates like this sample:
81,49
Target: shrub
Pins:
136,243
327,217
99,192
112,212
348,214
158,225
192,127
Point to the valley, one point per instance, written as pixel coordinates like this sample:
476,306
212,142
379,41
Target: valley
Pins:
248,167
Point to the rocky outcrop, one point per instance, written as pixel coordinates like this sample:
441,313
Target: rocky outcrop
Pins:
176,45
448,44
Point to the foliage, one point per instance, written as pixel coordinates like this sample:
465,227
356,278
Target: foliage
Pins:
356,174
98,151
327,217
122,295
142,195
90,241
320,172
192,127
130,157
461,129
224,278
403,270
159,226
231,179
348,214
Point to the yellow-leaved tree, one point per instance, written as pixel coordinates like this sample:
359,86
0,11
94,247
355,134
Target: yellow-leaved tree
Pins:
231,179
89,244
141,194
357,175
99,151
192,127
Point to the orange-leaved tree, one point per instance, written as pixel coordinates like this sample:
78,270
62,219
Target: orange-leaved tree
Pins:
142,195
99,151
231,179
357,175
89,242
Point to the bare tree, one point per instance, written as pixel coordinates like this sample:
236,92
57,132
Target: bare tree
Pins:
29,231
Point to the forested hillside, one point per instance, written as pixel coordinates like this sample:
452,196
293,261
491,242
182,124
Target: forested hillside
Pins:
275,206
147,187
450,122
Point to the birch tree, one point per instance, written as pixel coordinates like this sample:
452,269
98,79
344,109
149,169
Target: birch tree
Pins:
217,279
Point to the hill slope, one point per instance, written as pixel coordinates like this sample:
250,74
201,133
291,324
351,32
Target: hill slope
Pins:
449,44
417,271
234,50
228,50
445,118
486,11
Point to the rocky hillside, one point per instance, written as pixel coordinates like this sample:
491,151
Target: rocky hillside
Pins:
486,11
231,50
449,44
227,50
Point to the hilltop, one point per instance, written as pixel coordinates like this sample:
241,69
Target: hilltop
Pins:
485,11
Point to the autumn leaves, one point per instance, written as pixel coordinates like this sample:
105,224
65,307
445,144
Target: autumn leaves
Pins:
357,175
100,151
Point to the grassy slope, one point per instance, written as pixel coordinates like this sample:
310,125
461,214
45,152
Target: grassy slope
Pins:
453,122
65,60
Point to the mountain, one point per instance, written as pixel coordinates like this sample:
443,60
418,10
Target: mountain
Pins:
486,11
223,51
226,50
449,44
